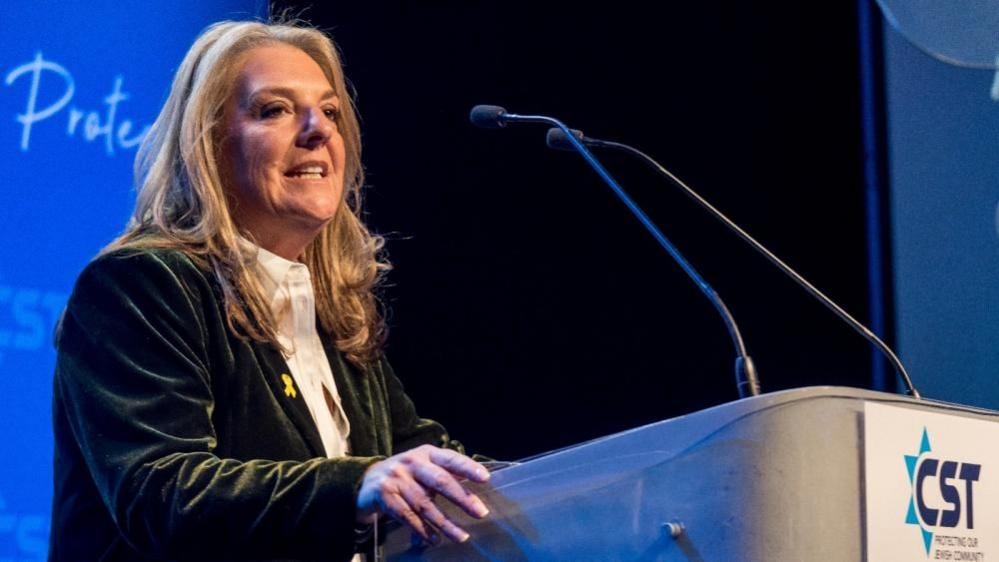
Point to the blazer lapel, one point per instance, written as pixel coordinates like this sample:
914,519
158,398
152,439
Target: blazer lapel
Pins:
354,387
289,395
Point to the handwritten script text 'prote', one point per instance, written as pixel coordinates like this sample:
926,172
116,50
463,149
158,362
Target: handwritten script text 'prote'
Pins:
95,126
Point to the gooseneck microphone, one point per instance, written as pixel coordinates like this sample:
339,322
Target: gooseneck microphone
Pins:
488,116
495,117
559,139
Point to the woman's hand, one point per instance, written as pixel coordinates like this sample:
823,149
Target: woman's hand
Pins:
403,486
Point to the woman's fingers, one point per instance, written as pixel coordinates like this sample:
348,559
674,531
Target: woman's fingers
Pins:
434,478
459,464
402,487
420,502
397,507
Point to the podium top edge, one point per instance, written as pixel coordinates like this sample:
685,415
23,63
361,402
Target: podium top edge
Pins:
747,406
811,392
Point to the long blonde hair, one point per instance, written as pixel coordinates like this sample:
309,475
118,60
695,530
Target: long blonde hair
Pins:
181,203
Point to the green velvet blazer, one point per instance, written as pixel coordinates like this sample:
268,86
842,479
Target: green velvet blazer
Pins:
176,440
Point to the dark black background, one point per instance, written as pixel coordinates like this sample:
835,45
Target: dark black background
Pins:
529,310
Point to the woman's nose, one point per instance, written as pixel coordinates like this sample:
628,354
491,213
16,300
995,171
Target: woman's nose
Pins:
316,129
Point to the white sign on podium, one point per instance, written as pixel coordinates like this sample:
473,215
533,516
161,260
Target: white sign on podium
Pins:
932,486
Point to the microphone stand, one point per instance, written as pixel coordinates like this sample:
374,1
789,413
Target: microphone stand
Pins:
747,380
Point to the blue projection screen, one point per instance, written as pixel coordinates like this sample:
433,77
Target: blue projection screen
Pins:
80,82
943,137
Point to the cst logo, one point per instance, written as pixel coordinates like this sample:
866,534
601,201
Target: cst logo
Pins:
942,492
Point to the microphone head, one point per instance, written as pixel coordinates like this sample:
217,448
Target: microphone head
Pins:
558,140
488,116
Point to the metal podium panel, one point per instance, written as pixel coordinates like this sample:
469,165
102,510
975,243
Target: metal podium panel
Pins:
777,477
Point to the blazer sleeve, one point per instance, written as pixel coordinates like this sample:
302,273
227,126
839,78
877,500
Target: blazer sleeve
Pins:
135,378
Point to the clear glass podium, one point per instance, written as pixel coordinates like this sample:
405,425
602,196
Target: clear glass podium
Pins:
779,477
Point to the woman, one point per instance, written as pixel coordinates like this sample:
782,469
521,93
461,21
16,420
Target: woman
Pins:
220,390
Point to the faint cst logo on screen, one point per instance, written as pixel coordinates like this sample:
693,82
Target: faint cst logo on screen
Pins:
27,318
23,537
942,503
91,125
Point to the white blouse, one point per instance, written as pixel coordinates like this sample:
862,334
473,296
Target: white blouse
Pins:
288,285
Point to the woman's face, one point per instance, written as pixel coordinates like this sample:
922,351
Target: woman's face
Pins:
283,155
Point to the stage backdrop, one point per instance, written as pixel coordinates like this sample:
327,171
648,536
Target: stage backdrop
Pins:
80,82
943,134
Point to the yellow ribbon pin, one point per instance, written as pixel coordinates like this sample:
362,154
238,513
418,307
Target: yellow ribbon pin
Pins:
289,386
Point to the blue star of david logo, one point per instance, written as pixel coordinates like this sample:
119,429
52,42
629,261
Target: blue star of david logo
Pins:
910,465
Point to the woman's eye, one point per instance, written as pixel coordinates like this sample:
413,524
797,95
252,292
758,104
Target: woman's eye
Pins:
331,113
271,111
